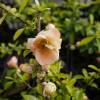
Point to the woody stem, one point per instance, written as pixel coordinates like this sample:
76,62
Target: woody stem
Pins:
38,23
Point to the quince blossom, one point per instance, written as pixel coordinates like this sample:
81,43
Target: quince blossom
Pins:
45,46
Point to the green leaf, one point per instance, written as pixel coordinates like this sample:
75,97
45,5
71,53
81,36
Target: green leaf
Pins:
94,68
78,77
70,90
29,97
18,33
86,40
98,43
78,95
39,88
67,97
94,85
2,18
59,97
85,73
91,19
7,85
23,5
26,52
55,68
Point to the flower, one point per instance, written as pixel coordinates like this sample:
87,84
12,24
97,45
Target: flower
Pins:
26,68
49,88
98,59
45,46
85,97
12,62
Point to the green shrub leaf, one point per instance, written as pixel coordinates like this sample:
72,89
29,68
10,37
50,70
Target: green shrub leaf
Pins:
2,18
23,5
85,73
29,97
86,40
18,33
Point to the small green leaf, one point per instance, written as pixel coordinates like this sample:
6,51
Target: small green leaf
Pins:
59,97
67,97
2,18
55,68
86,40
91,19
98,43
70,90
26,52
94,85
18,33
39,88
78,77
94,68
29,97
23,5
8,84
85,73
78,95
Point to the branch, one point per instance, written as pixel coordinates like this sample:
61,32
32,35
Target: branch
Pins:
17,15
38,23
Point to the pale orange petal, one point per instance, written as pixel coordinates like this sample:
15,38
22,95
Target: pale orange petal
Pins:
46,56
52,28
30,43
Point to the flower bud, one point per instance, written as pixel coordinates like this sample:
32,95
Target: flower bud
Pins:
12,62
77,44
72,47
85,97
49,88
26,68
98,59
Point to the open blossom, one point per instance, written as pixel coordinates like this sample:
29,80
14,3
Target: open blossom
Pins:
45,46
49,88
13,62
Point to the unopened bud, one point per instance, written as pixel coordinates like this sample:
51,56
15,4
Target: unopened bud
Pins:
98,59
50,26
12,62
49,88
26,68
78,44
85,97
72,47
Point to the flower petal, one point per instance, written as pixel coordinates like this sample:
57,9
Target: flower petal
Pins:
53,29
30,43
46,56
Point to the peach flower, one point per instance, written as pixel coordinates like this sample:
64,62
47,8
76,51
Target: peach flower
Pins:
45,46
13,62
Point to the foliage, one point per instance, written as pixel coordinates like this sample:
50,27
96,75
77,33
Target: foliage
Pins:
65,83
79,24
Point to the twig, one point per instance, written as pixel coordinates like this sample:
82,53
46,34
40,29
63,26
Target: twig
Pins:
15,90
38,22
